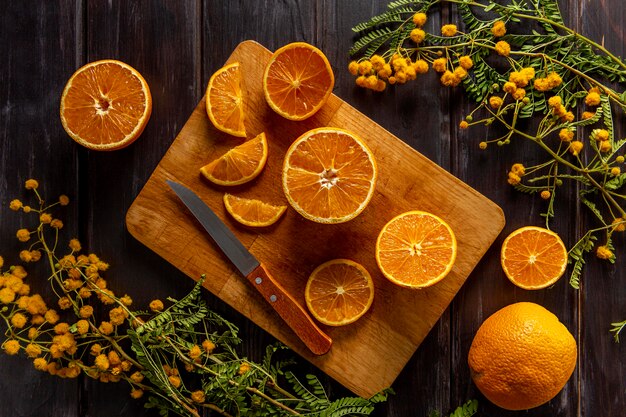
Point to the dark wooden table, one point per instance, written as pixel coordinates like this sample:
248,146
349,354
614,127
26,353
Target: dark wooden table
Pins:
177,45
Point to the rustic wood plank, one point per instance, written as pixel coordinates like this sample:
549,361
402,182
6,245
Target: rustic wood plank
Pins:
161,39
38,54
602,364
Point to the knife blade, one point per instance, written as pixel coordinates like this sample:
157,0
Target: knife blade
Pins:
257,274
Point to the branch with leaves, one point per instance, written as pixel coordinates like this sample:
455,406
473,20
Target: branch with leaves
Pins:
519,61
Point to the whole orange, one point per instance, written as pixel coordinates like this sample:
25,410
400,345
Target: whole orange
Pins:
522,356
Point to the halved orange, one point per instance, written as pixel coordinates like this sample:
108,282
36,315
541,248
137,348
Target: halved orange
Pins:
105,105
329,175
339,292
298,80
239,165
224,100
533,257
416,249
250,212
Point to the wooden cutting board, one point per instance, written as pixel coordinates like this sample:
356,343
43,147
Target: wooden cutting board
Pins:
367,355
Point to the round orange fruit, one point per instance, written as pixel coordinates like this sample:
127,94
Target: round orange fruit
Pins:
416,249
105,105
533,257
329,175
251,212
298,81
522,356
239,165
339,292
224,100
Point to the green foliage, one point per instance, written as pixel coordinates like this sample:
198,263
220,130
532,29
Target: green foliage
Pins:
466,410
617,328
576,256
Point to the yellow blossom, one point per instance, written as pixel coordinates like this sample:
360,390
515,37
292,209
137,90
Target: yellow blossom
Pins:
440,64
419,19
15,205
136,393
603,252
417,35
25,256
509,87
377,62
448,30
592,99
601,134
64,303
243,368
619,224
114,358
605,146
156,305
620,159
56,224
519,94
420,66
545,194
365,67
463,125
514,179
208,346
174,380
32,350
31,184
371,81
126,300
615,171
61,328
23,235
35,255
85,311
566,135
460,73
40,364
482,145
117,316
495,102
18,320
449,79
518,169
7,295
102,362
11,347
45,218
353,67
554,101
64,200
503,48
33,333
466,62
84,292
95,349
106,328
106,297
37,320
198,396
587,115
1,262
26,209
137,377
195,352
498,29
75,245
576,147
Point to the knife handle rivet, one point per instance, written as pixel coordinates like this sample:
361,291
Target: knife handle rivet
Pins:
273,298
258,280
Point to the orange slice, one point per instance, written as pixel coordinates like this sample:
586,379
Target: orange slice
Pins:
533,257
329,175
105,105
239,165
253,213
416,249
298,80
339,292
224,100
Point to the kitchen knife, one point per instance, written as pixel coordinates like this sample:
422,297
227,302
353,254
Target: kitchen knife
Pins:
286,306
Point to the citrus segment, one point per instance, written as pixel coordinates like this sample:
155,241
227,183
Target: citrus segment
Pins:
105,105
298,80
339,292
533,257
522,356
224,100
239,165
329,175
251,212
416,249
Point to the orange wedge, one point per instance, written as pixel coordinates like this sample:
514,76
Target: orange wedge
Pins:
254,213
339,292
224,100
416,249
239,165
533,257
298,80
105,105
329,175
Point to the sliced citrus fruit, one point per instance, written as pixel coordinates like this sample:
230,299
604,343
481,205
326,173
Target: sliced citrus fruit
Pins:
533,257
329,175
339,292
224,100
255,213
105,105
416,249
298,80
239,165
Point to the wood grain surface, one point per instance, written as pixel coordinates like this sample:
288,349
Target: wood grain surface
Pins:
177,45
368,355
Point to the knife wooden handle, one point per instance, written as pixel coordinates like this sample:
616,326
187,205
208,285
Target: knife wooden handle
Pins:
290,310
